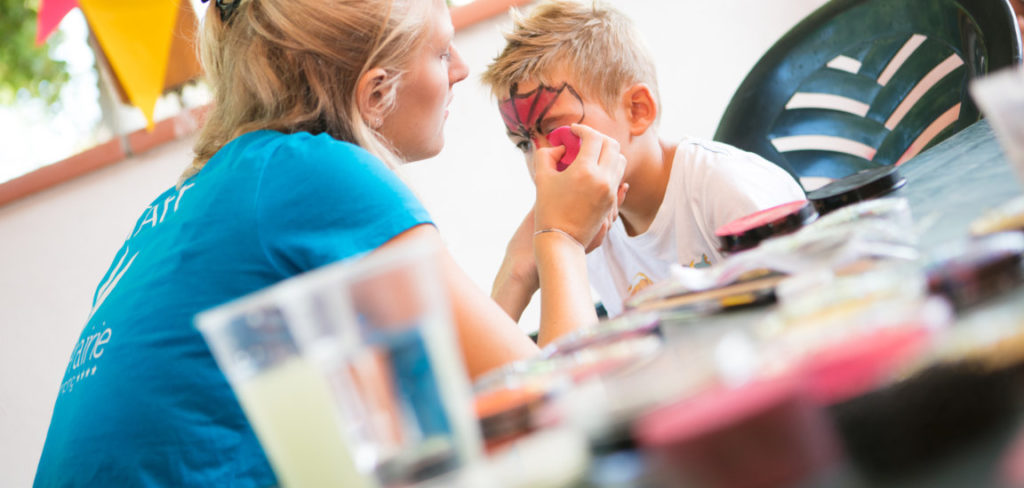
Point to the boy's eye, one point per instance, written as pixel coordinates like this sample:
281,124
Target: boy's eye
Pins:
524,146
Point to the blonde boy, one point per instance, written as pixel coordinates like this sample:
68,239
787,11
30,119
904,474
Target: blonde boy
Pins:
581,62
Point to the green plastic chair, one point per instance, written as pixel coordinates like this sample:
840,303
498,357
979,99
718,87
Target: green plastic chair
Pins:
864,83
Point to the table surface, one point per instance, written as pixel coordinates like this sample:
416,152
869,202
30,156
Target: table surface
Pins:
955,182
948,187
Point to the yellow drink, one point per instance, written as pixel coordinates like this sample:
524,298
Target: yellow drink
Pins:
291,410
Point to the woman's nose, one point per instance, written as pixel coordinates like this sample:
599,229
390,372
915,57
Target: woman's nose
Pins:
457,69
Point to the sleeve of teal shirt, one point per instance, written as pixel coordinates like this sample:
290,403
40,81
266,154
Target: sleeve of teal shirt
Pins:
322,200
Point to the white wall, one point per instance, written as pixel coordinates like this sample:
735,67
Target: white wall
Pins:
55,246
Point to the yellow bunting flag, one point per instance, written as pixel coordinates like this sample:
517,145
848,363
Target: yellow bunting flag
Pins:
136,36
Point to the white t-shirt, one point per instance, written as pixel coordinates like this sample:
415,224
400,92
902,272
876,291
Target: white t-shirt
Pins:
710,185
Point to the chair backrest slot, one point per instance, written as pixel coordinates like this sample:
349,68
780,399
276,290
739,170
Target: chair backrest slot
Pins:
813,121
841,83
931,134
881,51
824,143
931,79
845,63
827,101
901,57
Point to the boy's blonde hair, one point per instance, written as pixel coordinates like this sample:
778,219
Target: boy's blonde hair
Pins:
293,65
596,46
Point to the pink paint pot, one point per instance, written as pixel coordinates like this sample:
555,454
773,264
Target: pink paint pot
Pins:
769,433
748,231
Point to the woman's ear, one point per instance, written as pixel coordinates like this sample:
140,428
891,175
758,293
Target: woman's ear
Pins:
641,109
371,95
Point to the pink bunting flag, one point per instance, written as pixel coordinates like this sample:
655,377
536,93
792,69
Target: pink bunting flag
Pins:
51,12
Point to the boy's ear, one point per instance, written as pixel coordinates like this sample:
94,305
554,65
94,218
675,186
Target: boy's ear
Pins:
371,93
641,109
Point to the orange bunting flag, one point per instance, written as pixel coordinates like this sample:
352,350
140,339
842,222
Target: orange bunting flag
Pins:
136,36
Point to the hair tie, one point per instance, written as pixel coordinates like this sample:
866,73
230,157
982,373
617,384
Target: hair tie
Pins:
226,9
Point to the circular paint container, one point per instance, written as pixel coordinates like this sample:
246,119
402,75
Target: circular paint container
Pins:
762,434
984,268
748,231
1007,217
506,414
902,429
852,367
609,331
743,293
862,185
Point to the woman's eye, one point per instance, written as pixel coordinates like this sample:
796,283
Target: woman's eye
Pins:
524,146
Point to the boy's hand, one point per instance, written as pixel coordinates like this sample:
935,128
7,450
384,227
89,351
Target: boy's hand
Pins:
517,279
583,199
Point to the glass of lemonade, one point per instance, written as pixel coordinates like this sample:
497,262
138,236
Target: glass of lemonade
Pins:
288,402
351,374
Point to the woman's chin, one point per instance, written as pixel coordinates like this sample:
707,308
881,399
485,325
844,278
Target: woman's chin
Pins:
421,155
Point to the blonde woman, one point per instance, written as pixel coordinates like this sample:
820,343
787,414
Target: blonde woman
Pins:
315,100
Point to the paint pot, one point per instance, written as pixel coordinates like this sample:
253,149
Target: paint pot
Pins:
922,422
978,270
748,231
767,433
858,187
863,362
625,326
751,292
1004,218
507,414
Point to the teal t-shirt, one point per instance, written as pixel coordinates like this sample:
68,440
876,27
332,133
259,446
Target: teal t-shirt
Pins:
142,402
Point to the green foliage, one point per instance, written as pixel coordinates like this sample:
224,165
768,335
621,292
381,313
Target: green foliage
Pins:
23,65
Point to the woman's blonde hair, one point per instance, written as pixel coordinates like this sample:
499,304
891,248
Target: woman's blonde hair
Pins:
596,46
293,65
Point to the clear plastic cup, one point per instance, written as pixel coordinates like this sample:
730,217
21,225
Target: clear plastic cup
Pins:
378,335
285,397
381,330
1000,95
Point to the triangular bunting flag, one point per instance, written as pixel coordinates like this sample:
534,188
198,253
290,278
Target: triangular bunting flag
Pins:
51,12
136,36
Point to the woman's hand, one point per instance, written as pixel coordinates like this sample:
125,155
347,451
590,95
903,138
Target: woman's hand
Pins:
583,199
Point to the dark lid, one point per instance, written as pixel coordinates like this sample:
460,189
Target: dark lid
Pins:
748,231
862,185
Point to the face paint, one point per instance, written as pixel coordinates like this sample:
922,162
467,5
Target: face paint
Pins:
522,113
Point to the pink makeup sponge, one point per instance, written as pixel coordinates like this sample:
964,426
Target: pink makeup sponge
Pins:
563,136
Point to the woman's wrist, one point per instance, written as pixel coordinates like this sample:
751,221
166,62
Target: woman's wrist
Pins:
561,234
565,293
555,249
